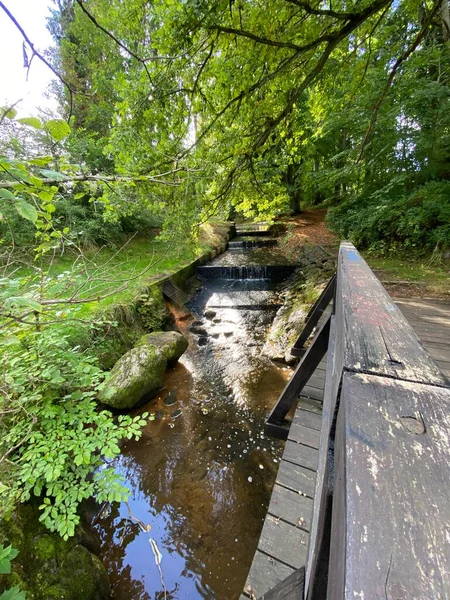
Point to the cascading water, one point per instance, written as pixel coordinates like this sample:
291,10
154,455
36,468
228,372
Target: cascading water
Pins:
202,473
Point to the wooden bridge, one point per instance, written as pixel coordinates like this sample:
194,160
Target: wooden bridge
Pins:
361,504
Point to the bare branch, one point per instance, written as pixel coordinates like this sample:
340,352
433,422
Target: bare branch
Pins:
39,55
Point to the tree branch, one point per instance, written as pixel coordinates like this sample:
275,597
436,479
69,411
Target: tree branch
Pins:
39,55
321,12
255,38
400,60
102,178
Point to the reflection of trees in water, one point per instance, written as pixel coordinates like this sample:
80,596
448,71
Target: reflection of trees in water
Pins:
207,506
209,476
115,537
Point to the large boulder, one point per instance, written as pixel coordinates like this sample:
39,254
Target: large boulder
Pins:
171,343
138,373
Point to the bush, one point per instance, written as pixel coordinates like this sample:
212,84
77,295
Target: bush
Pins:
55,438
390,220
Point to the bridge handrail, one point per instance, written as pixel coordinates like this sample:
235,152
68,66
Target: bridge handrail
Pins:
381,517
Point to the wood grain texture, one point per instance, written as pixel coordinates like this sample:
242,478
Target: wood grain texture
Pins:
304,435
296,478
304,456
307,419
321,491
291,507
377,338
396,455
265,573
284,542
289,589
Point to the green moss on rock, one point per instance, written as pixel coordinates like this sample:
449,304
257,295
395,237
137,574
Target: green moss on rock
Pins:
171,343
47,567
138,373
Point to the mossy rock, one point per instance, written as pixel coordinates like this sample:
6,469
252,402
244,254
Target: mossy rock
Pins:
137,374
47,567
171,343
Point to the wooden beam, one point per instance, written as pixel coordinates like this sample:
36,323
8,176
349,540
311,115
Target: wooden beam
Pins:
391,512
313,316
290,588
376,336
299,379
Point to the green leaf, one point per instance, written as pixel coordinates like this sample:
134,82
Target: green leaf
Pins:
9,112
58,129
41,161
53,174
31,121
7,195
13,593
26,210
23,302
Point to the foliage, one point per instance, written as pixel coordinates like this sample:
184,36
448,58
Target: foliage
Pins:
55,439
7,554
387,220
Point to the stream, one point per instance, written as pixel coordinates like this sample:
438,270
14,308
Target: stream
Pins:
202,473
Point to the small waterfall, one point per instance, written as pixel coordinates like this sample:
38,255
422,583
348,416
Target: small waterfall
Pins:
252,243
275,272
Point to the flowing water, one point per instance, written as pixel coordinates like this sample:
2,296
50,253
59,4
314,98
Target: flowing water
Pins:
202,473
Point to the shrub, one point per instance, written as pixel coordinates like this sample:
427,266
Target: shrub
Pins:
54,437
393,220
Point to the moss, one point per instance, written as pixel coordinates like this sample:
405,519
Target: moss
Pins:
171,343
138,373
47,567
151,308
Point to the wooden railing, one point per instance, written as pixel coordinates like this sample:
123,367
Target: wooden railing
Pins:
381,519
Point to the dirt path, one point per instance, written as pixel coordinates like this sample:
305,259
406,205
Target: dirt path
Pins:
310,228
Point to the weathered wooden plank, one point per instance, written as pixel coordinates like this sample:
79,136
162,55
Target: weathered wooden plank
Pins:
431,316
308,419
428,340
304,435
438,334
296,478
393,477
310,404
265,573
284,542
312,392
304,456
376,336
313,316
439,354
290,588
317,380
291,507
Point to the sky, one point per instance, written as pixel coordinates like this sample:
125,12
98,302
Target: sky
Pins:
31,14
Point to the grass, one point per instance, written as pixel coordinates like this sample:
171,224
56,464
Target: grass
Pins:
110,276
433,277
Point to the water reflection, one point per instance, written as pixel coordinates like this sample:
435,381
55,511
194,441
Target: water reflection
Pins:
202,479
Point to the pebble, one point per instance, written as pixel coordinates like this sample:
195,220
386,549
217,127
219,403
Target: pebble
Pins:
176,413
250,479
